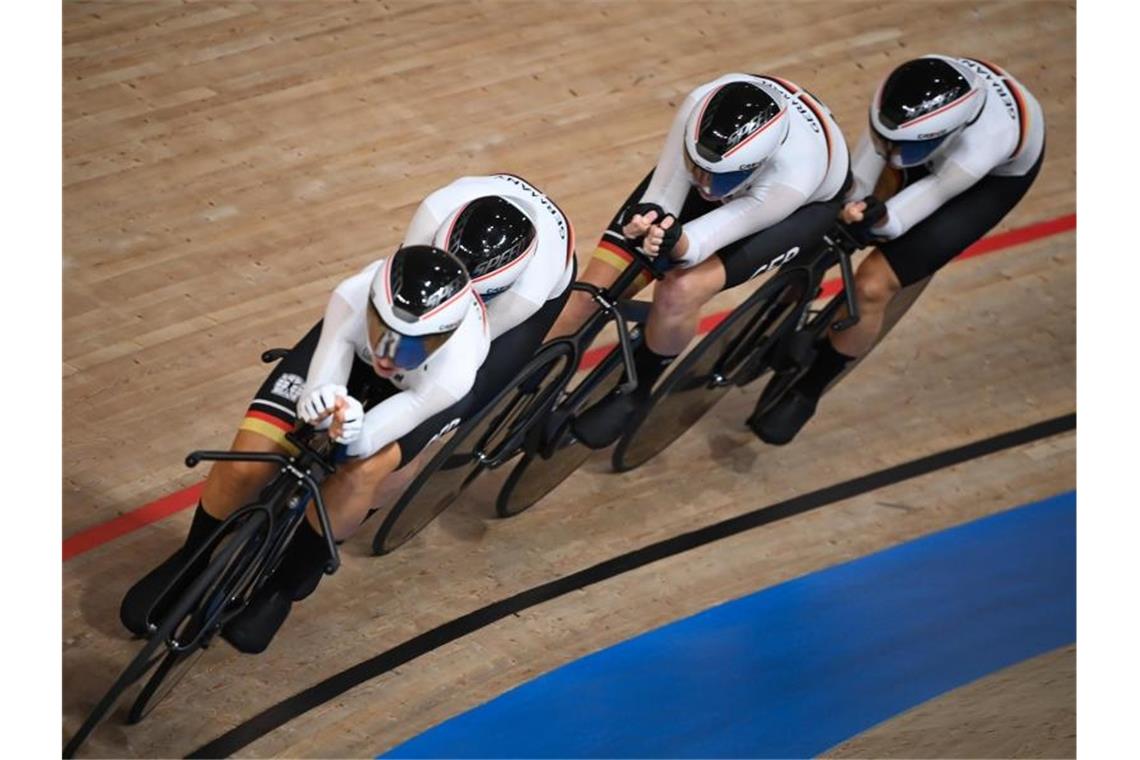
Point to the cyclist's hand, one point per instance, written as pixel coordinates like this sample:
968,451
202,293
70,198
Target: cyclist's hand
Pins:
641,216
320,402
638,225
348,420
871,211
663,238
853,212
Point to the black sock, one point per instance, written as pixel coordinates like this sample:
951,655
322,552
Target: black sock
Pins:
650,365
304,562
201,528
826,367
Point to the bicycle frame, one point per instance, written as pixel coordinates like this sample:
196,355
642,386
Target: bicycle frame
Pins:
304,470
839,247
612,307
308,467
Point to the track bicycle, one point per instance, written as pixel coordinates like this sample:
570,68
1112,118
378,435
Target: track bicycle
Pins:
243,552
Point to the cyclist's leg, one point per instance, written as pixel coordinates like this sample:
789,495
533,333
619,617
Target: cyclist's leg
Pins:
231,485
876,285
374,485
349,495
680,296
896,265
924,250
609,259
677,301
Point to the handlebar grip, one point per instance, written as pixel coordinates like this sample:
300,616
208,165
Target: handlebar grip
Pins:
874,212
273,354
192,459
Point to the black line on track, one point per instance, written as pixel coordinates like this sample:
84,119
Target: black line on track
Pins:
335,685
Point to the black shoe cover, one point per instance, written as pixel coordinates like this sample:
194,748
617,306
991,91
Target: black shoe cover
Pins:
252,630
603,423
781,424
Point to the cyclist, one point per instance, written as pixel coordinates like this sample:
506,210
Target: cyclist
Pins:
751,175
397,361
953,145
518,246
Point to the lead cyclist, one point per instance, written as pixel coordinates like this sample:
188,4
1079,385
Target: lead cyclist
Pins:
407,348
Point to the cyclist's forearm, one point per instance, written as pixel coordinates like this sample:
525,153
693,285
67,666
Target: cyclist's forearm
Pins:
866,166
738,219
398,415
332,358
918,201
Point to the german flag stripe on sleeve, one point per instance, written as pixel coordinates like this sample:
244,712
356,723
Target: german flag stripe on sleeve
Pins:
810,101
611,253
268,427
1022,115
619,259
1018,99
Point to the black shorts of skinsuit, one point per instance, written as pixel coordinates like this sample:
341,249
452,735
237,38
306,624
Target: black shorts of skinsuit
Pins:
959,223
798,234
273,410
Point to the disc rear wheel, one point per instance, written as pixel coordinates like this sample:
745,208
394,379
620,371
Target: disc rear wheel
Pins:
489,438
540,471
733,353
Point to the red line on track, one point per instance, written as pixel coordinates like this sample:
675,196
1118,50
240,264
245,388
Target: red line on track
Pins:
86,540
831,287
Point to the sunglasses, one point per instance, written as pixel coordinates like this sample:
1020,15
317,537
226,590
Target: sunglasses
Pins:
405,351
716,184
905,153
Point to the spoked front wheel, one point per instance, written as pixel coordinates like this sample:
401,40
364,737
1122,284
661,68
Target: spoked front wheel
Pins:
733,353
157,649
489,438
230,570
166,676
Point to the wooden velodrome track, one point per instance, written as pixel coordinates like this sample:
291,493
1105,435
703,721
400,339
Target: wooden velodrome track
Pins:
227,163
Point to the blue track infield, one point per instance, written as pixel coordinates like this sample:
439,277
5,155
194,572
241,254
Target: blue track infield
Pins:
795,669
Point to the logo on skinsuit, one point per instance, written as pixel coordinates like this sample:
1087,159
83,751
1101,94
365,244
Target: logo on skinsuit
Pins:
289,386
783,258
444,430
